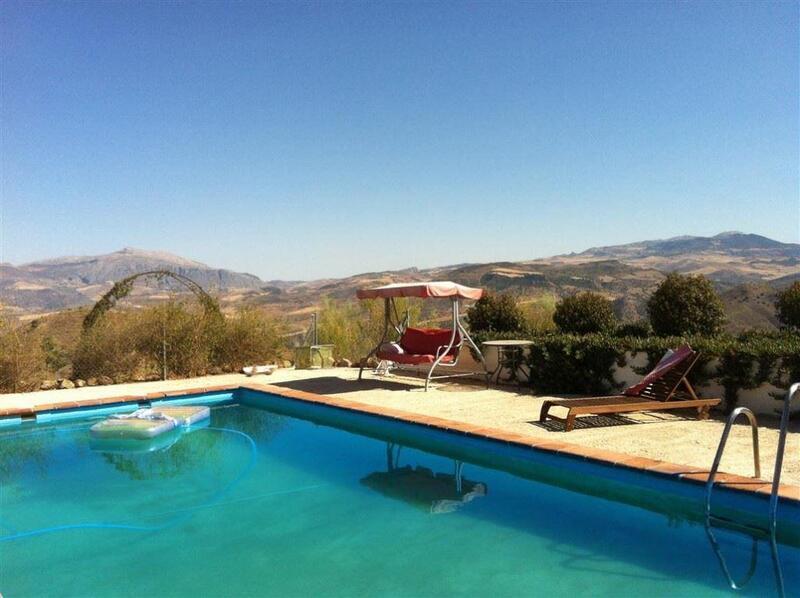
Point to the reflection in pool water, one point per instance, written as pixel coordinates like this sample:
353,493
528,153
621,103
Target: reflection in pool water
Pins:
419,486
264,504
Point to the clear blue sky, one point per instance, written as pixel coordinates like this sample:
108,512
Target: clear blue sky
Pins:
324,139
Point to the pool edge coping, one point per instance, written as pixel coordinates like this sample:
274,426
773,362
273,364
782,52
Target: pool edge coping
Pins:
692,474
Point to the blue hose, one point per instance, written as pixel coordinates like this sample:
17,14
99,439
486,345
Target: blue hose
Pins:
153,528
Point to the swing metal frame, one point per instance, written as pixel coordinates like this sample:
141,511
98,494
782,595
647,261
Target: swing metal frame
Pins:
393,325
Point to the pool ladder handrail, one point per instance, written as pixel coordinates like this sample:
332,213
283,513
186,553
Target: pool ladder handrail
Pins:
776,476
723,441
723,563
773,503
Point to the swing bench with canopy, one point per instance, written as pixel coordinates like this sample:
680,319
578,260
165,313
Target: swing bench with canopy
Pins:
439,347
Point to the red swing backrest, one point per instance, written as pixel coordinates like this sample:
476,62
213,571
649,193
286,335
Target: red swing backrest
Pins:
426,341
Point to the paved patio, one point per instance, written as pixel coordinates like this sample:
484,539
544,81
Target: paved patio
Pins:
667,437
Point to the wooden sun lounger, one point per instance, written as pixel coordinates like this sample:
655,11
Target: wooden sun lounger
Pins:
666,387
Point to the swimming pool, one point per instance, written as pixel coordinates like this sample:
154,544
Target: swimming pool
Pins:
275,497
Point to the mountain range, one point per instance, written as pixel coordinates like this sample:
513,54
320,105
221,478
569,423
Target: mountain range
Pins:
64,282
747,269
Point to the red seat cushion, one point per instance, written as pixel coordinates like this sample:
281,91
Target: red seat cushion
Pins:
426,341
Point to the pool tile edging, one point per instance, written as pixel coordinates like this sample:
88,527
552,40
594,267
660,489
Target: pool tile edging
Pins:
688,473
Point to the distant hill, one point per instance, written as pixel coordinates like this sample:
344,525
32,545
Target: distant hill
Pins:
627,274
732,242
728,258
747,269
71,281
750,305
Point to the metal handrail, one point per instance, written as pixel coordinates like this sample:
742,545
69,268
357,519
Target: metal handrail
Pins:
773,499
732,583
776,476
748,576
721,448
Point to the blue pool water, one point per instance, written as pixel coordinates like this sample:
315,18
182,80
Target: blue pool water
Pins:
262,503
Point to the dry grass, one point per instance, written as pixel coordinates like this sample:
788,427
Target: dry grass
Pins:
22,358
129,345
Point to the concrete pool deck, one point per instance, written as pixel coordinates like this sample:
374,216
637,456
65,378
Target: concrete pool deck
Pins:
668,443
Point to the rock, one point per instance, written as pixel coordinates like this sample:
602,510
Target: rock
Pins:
344,363
286,363
372,362
79,383
48,385
65,383
104,380
215,370
91,381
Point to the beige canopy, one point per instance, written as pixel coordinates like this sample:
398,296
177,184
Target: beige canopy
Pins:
423,290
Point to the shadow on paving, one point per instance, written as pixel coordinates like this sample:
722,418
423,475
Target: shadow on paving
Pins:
327,385
587,422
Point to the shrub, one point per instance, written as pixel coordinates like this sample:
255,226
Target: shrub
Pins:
55,356
566,363
686,305
249,338
638,329
22,358
584,313
129,345
354,328
538,313
111,348
191,339
495,313
787,306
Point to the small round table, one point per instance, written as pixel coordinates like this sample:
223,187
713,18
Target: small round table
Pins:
509,352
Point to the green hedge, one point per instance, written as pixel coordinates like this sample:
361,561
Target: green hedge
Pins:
565,363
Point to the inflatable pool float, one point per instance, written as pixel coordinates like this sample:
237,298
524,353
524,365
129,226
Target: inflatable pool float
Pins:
184,415
126,445
141,424
144,424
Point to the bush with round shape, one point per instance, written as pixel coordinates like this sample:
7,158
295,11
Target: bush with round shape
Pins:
787,306
584,313
496,313
637,329
684,305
